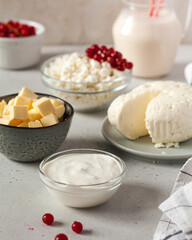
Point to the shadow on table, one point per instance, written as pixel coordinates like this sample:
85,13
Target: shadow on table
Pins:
130,203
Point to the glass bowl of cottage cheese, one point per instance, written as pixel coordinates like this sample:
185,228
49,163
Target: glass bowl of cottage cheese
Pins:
85,83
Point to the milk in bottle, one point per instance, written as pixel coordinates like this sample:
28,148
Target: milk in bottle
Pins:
150,42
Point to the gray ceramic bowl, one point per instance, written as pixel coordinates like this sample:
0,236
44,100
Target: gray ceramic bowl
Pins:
33,144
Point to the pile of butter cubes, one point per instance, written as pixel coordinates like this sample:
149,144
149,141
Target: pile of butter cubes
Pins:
27,110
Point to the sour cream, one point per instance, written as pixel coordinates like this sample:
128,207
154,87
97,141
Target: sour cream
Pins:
82,169
82,177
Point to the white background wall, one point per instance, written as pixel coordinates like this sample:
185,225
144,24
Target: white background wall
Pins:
75,21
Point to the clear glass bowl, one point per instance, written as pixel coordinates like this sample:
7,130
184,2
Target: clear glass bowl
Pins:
95,97
82,196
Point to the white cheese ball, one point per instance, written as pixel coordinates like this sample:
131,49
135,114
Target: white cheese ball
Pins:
161,109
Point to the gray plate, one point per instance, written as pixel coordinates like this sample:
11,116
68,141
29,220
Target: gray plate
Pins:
143,147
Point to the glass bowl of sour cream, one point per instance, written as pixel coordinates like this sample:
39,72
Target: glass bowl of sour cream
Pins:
82,177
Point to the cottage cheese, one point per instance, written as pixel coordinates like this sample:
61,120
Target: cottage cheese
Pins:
161,109
78,73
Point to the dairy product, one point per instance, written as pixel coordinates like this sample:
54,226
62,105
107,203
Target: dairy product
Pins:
34,124
43,106
21,101
149,42
82,169
82,81
161,109
59,110
33,115
82,179
77,71
169,117
49,120
10,122
2,105
23,124
27,93
18,112
11,102
56,102
27,110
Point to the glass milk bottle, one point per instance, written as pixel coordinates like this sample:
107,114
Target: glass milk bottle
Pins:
148,35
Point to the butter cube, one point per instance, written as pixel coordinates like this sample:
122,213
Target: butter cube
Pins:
2,105
27,93
9,122
11,102
34,124
43,106
30,106
56,102
14,122
59,111
19,112
7,111
23,124
22,101
49,120
4,121
34,115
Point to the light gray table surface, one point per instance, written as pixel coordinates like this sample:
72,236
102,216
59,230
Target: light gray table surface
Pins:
131,214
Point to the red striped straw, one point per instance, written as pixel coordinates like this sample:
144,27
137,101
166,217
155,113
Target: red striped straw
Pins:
159,6
152,8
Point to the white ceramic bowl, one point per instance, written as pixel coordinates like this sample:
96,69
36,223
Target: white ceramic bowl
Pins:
82,196
17,53
82,98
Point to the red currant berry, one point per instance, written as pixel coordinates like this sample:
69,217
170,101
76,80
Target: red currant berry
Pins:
89,51
77,227
112,51
124,63
129,65
118,61
97,57
3,28
10,22
12,35
103,48
61,236
114,64
32,30
23,25
48,218
95,47
118,55
16,24
110,60
2,34
24,31
120,68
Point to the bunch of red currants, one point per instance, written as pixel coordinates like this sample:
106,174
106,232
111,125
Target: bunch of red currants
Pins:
14,29
105,54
